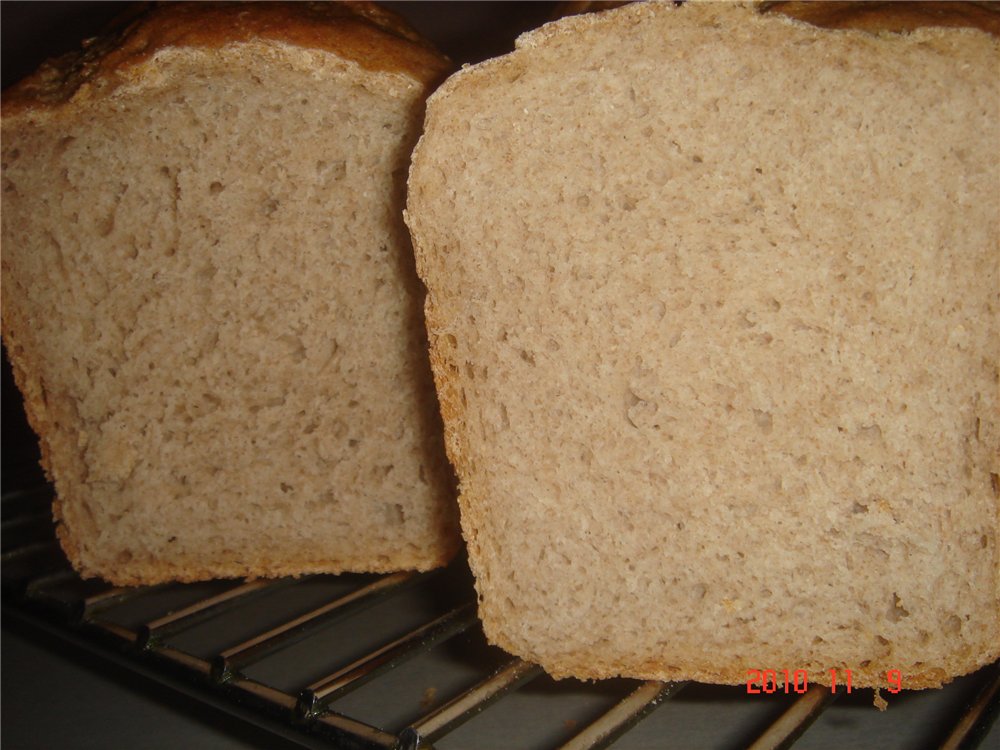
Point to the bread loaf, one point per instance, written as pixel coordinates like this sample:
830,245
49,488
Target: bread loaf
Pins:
712,301
209,297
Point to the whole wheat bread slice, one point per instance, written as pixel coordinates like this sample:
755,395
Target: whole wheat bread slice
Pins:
209,297
713,319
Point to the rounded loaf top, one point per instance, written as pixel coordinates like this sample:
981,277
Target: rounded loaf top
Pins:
362,32
890,16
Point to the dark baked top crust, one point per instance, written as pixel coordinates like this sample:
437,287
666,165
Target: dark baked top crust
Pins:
363,32
892,16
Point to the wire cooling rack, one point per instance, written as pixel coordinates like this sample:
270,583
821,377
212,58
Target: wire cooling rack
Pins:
399,662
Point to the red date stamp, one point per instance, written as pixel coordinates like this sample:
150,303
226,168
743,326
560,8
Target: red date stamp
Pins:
788,681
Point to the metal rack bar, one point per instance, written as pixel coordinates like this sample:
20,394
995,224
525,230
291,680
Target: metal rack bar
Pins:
321,692
31,548
977,718
624,715
90,606
463,707
35,526
37,585
26,519
176,657
793,723
242,654
340,727
157,629
116,631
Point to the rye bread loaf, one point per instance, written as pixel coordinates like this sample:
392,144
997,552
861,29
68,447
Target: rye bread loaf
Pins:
712,301
209,298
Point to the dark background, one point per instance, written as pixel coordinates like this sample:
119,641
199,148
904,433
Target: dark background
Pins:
467,32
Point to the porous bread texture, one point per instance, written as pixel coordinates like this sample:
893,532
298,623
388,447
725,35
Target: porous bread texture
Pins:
712,301
211,308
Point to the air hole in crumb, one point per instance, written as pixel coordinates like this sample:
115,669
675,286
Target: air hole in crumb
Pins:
107,225
296,348
697,159
215,188
528,357
658,176
859,508
335,170
871,432
763,420
984,541
286,488
953,625
451,340
995,483
352,443
896,610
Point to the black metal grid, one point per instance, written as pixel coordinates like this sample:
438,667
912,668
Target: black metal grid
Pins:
315,658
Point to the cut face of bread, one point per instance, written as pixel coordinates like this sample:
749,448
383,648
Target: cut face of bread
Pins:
210,303
713,316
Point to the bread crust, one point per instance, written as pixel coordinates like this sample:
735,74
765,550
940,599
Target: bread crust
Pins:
893,17
872,16
362,32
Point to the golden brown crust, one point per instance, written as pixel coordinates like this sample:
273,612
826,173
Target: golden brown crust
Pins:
362,32
891,16
179,572
869,16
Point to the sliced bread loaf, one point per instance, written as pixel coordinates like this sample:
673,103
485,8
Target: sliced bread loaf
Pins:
713,320
209,297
